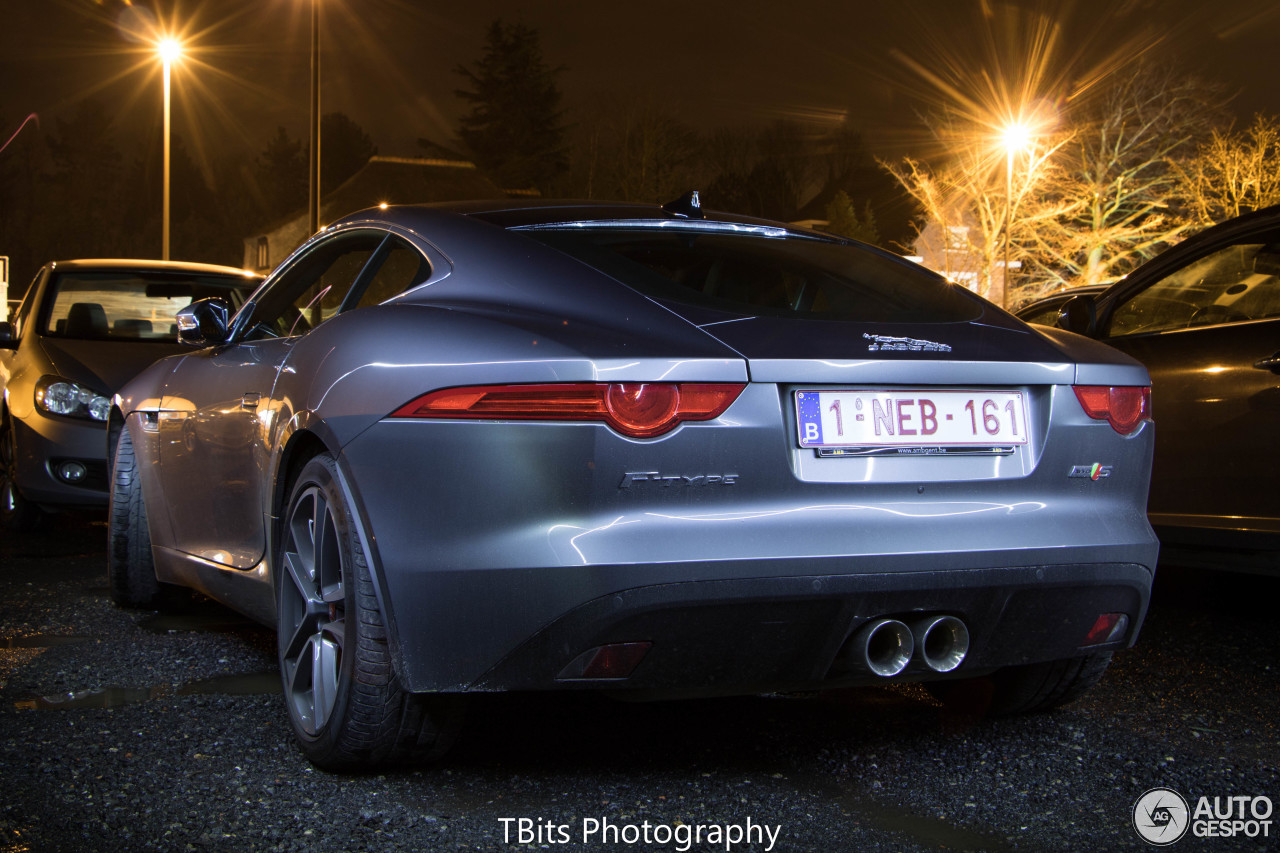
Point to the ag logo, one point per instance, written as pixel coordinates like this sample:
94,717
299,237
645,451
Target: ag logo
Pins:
1161,816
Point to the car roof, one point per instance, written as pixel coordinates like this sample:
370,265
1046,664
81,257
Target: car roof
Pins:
509,213
1067,293
147,265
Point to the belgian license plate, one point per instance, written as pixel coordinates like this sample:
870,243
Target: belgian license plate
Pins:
910,418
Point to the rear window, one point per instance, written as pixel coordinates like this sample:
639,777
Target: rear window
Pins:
129,305
750,274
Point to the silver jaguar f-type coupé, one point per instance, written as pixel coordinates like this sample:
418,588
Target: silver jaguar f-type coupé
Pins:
650,450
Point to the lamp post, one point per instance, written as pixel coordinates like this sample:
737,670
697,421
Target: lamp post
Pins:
1016,137
170,50
313,201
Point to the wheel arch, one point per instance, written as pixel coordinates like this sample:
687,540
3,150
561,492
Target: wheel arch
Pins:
115,423
303,444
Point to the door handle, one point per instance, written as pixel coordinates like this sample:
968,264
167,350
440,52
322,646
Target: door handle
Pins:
250,400
1271,363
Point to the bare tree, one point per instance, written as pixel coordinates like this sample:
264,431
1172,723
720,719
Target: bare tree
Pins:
1083,206
1109,199
1233,172
632,149
971,198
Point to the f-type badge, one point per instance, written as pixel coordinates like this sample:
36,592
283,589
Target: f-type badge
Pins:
885,343
1096,471
666,481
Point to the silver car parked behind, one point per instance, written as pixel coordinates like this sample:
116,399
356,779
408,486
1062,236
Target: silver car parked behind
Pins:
631,448
84,328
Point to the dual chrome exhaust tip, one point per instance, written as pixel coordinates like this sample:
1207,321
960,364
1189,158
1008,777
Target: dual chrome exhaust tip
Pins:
885,646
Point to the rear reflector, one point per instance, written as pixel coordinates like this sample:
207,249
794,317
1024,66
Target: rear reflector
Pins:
1109,628
636,409
616,660
1125,407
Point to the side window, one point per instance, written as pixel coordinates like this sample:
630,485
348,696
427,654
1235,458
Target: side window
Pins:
1046,315
399,267
314,288
22,316
1230,285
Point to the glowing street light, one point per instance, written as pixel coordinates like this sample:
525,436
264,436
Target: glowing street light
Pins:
313,180
169,50
1014,137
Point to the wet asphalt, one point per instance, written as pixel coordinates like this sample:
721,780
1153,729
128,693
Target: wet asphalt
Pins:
139,731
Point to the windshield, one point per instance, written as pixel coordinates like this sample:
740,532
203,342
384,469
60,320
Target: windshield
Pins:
753,274
130,305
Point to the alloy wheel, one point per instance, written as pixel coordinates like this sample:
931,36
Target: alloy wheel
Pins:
312,611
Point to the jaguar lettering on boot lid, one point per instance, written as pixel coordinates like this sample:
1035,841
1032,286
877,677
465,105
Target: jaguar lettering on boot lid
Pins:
888,343
669,480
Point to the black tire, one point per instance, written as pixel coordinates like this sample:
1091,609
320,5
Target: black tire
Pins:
17,514
131,571
345,702
1024,689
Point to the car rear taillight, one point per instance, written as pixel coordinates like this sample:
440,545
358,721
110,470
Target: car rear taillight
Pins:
636,409
1107,628
1125,407
611,662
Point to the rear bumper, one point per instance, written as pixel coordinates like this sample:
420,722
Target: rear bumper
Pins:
505,551
759,634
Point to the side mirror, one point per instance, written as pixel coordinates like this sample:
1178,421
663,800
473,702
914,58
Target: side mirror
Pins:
7,340
1079,314
204,323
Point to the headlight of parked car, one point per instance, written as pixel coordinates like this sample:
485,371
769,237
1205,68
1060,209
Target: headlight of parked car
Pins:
60,397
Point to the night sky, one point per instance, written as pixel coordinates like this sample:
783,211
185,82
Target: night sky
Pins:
388,64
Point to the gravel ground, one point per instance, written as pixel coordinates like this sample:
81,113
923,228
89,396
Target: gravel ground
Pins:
136,731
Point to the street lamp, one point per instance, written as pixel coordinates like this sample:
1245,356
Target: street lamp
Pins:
170,50
1015,137
313,202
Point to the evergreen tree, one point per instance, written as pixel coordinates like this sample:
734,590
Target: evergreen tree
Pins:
85,185
282,176
843,219
514,128
344,150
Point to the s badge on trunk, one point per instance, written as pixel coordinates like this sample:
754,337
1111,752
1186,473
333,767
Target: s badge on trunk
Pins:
1096,471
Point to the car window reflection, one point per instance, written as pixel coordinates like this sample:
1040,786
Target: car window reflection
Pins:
1235,284
128,306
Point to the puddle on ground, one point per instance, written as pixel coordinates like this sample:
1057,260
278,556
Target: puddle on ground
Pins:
932,831
103,697
42,641
927,830
219,621
251,684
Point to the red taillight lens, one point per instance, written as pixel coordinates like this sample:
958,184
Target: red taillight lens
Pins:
614,661
618,660
1122,406
639,410
1107,628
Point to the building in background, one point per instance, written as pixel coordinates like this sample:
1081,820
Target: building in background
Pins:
383,180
